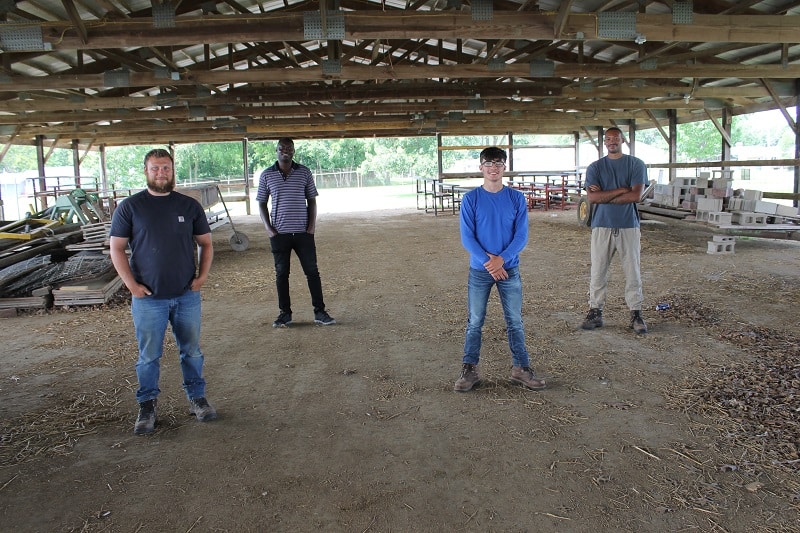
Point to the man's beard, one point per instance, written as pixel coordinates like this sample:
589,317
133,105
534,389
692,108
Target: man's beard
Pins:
161,189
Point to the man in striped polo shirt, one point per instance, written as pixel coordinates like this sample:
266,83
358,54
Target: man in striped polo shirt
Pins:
291,227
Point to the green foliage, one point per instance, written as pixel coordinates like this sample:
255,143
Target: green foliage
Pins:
399,158
204,161
698,141
125,166
383,160
23,158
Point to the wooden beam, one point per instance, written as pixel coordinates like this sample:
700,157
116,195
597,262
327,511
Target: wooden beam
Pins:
400,72
657,124
768,86
403,24
720,129
75,18
561,19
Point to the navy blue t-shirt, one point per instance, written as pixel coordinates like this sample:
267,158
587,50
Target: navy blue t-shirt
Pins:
161,232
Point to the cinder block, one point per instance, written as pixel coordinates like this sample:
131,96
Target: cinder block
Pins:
684,182
786,210
722,183
720,217
752,194
735,204
724,238
744,218
718,248
748,205
769,208
717,192
709,204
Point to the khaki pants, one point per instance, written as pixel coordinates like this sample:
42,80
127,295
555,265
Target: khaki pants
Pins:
604,244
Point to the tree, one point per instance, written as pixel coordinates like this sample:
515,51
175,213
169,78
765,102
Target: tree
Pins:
205,161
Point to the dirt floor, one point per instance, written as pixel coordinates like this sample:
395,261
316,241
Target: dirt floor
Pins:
355,427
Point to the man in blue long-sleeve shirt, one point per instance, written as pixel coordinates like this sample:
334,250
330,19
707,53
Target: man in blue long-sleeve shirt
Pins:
494,230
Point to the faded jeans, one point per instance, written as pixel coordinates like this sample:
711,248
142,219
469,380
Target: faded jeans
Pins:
150,319
479,287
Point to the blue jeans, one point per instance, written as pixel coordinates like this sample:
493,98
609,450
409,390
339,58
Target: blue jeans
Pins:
304,246
150,319
479,286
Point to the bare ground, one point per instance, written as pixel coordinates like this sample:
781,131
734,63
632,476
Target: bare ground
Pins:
355,427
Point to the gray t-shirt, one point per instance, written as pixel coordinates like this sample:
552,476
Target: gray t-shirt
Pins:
609,174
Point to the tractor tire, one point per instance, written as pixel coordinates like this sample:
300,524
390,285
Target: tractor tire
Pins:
584,212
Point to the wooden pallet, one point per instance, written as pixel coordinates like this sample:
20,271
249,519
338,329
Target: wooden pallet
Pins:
28,302
98,291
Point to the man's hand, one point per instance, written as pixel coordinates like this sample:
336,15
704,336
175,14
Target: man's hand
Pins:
495,267
138,290
198,282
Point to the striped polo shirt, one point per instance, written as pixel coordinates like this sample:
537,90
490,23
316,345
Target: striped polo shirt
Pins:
289,210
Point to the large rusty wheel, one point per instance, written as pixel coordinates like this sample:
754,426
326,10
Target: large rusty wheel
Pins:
584,211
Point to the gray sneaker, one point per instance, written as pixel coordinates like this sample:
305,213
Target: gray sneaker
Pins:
524,376
594,319
146,421
469,378
637,322
200,408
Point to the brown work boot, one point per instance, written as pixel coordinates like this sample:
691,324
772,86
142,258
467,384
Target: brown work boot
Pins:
524,376
594,319
637,322
469,378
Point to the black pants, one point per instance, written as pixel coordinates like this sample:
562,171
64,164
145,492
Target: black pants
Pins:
306,250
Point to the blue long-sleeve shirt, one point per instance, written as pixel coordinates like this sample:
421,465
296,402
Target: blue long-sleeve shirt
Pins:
496,223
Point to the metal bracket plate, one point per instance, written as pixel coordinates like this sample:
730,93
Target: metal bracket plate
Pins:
482,10
334,25
543,68
16,38
616,25
683,12
117,78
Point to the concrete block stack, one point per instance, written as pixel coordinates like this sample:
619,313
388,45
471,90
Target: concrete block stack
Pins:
715,202
676,193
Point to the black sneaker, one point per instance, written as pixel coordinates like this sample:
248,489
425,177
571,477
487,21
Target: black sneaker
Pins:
200,408
283,320
146,421
637,322
594,319
323,318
